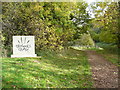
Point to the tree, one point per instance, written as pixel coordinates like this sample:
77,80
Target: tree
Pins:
81,19
106,19
49,22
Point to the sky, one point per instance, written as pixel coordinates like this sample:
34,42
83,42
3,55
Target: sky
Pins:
89,1
89,8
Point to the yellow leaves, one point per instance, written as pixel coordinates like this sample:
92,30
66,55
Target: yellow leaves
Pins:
102,4
38,8
60,47
2,37
57,9
47,12
48,22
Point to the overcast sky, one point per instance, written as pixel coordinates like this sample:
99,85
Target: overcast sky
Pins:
90,1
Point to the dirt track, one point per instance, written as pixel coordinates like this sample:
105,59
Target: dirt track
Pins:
104,73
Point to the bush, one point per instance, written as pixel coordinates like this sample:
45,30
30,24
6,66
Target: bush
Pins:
86,40
108,47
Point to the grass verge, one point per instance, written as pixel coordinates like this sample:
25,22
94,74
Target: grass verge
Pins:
110,52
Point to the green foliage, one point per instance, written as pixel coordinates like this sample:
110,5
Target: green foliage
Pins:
68,69
81,19
49,22
85,39
108,36
106,19
110,52
95,34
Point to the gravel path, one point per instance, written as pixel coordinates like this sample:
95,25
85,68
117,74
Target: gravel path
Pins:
104,73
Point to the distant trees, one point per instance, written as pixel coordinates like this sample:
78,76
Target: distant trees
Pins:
106,20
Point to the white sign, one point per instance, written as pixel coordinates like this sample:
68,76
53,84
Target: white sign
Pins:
23,46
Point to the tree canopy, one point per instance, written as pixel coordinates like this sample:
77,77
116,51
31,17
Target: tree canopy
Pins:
54,24
106,21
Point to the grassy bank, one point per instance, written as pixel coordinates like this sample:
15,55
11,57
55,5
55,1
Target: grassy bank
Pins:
110,52
68,69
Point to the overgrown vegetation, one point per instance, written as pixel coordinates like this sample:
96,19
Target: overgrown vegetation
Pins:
85,40
55,24
68,69
50,22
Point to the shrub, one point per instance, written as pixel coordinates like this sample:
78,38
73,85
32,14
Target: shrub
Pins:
86,40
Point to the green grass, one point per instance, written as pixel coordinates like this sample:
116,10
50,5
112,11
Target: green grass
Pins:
85,48
112,57
68,69
110,52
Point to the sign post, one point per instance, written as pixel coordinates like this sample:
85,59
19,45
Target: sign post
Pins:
23,46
